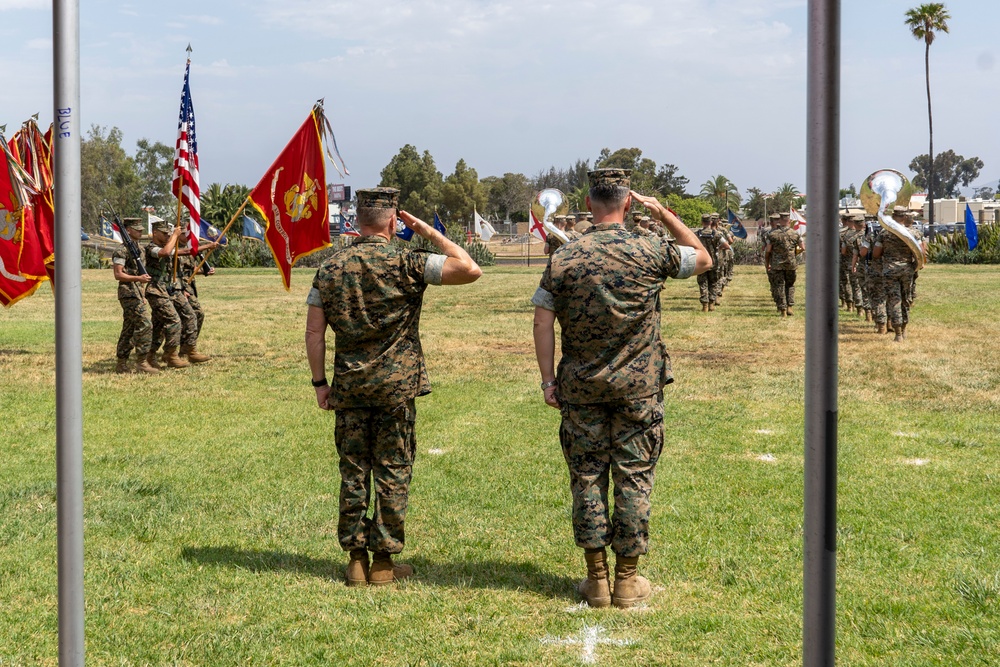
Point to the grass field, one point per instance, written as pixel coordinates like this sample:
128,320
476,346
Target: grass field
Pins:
211,492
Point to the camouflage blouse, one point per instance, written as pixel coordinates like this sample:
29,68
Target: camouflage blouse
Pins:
783,242
161,270
895,252
711,239
122,257
605,291
371,293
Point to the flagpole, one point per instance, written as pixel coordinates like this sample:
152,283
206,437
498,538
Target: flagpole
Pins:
823,166
69,331
225,229
180,183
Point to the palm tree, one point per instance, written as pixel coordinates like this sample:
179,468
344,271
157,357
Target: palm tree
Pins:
925,22
721,193
786,197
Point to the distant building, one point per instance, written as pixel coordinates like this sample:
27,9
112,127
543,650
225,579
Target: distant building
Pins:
951,211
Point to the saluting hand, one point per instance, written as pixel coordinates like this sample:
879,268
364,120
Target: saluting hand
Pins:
419,227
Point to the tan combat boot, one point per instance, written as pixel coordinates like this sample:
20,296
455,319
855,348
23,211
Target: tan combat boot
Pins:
902,330
790,311
704,307
143,366
151,360
860,310
193,355
880,328
122,365
898,329
782,312
357,568
383,571
596,589
171,359
630,588
868,315
711,306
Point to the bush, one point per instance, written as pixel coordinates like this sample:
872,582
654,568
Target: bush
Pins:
746,252
242,253
91,259
954,248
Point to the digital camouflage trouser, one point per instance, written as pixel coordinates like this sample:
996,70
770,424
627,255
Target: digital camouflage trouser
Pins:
137,329
376,444
187,324
198,312
876,295
898,297
846,294
166,321
708,286
623,438
857,279
783,288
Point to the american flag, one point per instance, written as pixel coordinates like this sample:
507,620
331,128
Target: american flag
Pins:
185,184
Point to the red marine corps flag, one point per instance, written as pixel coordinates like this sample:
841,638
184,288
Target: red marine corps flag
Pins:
22,265
292,197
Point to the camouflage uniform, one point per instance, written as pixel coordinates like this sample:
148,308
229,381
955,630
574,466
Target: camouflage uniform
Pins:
857,276
728,256
898,264
605,291
188,321
185,269
708,282
783,241
137,328
166,321
846,296
876,283
371,293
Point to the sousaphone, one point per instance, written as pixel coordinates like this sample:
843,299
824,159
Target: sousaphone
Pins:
547,204
883,190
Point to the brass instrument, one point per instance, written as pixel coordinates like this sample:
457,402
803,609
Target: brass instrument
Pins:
883,190
547,204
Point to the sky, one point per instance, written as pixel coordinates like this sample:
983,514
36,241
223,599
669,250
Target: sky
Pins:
711,86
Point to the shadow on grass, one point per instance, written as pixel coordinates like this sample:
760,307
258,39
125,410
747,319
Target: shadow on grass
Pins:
492,574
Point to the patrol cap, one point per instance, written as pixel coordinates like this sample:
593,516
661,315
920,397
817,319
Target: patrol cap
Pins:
646,218
773,216
581,215
707,216
845,215
715,216
637,215
609,177
133,223
162,226
783,214
590,216
858,217
378,198
900,210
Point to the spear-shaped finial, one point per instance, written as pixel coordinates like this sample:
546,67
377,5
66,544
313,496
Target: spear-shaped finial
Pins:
34,116
189,50
3,128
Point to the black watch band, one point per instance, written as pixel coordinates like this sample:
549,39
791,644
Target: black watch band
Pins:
319,383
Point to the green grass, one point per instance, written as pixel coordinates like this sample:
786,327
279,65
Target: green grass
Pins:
211,492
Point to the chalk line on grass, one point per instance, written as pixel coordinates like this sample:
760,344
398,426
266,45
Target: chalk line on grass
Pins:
764,431
436,452
916,462
766,458
901,434
588,639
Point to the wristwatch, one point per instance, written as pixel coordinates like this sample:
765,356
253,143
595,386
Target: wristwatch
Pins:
319,383
550,383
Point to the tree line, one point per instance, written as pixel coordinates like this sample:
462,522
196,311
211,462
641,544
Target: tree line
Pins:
141,181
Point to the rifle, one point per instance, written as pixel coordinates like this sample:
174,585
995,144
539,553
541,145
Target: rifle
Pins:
130,245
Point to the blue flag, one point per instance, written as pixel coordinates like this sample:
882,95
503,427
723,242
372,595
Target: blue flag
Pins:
252,229
402,231
104,228
736,225
210,232
971,231
438,225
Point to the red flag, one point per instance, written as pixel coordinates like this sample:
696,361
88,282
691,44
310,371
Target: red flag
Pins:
34,155
17,257
292,198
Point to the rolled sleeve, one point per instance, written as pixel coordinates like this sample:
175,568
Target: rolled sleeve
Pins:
434,269
688,262
314,299
120,261
544,299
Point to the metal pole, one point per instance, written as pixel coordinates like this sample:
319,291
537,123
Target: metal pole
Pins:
69,347
822,173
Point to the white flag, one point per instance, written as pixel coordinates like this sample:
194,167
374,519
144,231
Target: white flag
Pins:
483,228
798,222
535,227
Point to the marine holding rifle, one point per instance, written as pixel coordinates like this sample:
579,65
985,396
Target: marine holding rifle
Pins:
137,327
185,298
